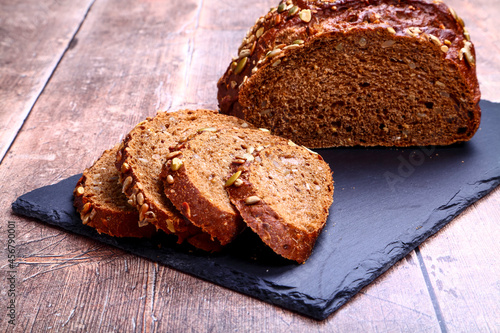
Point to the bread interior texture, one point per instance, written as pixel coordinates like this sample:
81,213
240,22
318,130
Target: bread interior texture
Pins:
362,88
102,184
293,185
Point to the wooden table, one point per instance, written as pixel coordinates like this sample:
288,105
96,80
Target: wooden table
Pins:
75,76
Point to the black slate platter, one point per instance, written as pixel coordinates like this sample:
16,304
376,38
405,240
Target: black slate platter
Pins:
386,202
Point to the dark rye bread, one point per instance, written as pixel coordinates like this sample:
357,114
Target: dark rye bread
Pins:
101,204
194,178
350,72
141,156
284,196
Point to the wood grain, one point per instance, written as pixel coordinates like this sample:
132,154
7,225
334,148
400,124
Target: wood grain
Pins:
130,58
481,19
34,36
463,264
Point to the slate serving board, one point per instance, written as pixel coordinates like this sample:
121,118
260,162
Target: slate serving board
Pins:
387,201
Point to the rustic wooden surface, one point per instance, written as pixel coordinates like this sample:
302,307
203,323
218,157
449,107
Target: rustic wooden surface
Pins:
76,76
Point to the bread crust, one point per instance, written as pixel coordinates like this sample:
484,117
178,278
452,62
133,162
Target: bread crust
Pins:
217,218
117,219
292,241
159,134
221,225
433,26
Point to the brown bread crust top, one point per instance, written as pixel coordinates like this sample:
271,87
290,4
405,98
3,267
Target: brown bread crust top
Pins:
295,26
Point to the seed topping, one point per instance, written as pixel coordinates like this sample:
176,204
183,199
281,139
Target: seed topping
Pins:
305,15
292,11
291,47
132,201
466,34
173,154
176,164
435,40
80,190
126,183
248,157
241,65
125,167
142,211
86,219
186,209
273,53
467,51
259,32
233,178
86,208
207,129
239,161
140,198
252,200
244,53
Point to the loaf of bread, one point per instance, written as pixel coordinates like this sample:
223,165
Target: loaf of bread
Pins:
194,177
350,72
141,156
101,204
284,194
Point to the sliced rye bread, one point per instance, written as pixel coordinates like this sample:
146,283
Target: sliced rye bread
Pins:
99,199
350,72
195,175
141,156
284,195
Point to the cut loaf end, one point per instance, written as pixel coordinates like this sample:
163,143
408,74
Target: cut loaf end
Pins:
284,196
380,74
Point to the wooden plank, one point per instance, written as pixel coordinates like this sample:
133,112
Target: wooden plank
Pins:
127,61
131,58
101,88
462,260
481,19
377,308
217,32
463,265
33,38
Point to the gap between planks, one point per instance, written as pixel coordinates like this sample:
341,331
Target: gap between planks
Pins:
430,290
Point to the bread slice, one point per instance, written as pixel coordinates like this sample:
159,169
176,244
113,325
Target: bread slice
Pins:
350,72
101,204
141,156
195,175
284,195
